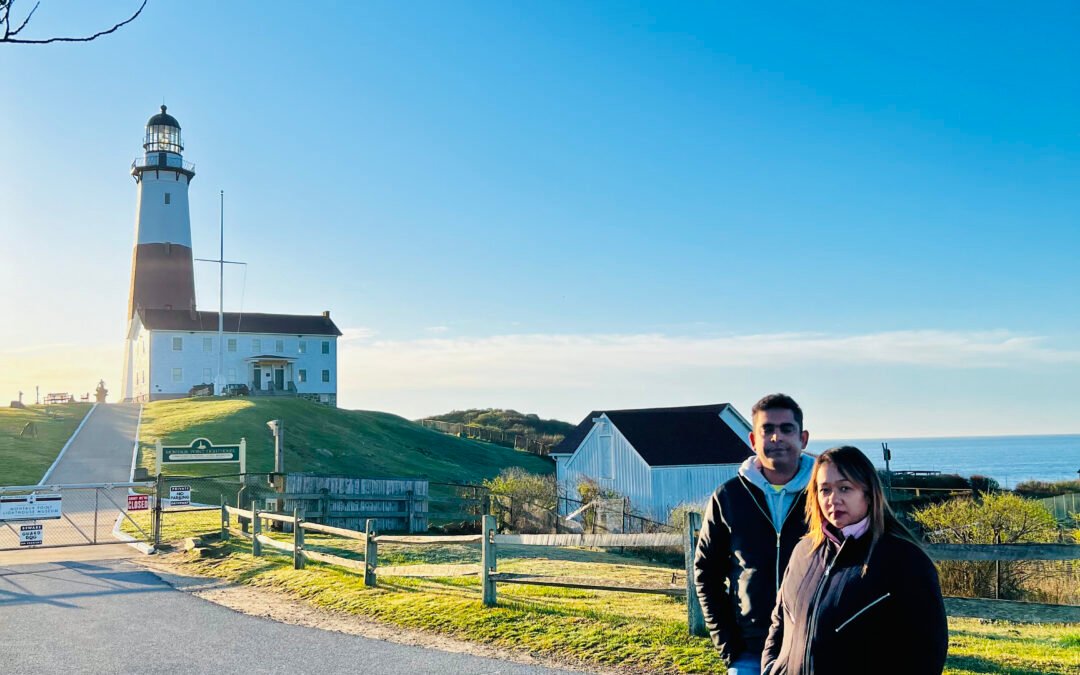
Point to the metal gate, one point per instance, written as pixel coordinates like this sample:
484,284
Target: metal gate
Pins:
50,516
190,506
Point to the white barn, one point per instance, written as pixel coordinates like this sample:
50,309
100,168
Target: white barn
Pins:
657,457
173,351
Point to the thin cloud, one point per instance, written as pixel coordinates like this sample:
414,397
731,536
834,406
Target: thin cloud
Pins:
570,360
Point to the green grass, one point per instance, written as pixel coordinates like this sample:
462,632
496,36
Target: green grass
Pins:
592,628
24,460
326,440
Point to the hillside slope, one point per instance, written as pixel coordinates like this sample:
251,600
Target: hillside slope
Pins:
327,440
24,459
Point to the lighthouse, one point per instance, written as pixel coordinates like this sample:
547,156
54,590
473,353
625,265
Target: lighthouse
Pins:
162,276
162,271
173,350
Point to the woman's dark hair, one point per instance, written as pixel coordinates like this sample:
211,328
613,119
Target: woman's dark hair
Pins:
857,468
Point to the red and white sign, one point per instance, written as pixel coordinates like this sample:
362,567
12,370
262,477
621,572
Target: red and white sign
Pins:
138,502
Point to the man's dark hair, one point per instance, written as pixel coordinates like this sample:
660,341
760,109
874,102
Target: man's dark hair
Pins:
779,402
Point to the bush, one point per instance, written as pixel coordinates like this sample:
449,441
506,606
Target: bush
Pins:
679,515
1042,488
981,483
1001,518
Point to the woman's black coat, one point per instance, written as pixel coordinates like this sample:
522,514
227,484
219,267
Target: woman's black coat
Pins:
830,619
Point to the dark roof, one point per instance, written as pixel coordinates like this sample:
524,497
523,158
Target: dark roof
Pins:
163,119
283,324
670,436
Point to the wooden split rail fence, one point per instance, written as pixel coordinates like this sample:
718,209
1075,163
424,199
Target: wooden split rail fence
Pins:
489,541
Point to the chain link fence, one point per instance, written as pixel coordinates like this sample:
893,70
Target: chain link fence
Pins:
48,516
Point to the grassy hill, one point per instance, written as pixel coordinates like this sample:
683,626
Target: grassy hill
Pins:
25,459
319,439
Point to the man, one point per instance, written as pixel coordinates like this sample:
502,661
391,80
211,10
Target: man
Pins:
752,524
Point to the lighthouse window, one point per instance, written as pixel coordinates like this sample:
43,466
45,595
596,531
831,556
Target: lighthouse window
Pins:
326,347
178,344
326,376
303,347
167,197
303,375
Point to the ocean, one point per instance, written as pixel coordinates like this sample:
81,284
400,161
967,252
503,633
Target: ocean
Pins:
1007,459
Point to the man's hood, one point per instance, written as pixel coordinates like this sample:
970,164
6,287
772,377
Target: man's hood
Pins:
751,471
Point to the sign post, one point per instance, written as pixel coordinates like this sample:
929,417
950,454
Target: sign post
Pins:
202,451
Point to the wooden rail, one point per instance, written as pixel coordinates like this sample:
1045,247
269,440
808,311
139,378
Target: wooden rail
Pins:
490,577
1003,551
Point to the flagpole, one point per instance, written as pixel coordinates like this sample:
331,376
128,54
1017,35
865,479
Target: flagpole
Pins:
221,300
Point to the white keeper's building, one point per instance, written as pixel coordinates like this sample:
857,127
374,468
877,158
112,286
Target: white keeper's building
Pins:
170,345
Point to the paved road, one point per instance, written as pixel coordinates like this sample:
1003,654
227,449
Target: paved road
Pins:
115,617
101,451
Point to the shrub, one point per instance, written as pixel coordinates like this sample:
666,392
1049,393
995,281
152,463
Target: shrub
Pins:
1001,518
679,515
981,483
1042,488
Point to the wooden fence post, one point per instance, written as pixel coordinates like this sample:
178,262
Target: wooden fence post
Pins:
297,540
695,620
488,560
256,530
224,520
371,555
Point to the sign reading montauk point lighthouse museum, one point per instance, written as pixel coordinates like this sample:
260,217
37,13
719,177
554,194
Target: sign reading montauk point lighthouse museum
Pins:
202,451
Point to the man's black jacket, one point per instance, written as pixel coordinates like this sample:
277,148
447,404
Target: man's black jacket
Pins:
739,562
888,620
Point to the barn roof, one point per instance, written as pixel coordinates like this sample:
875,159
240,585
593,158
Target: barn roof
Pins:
670,436
235,322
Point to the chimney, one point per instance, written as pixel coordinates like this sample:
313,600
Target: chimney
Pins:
326,314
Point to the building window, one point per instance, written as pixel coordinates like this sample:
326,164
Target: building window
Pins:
326,347
232,374
167,197
303,375
279,346
256,346
178,344
326,376
208,344
207,374
232,344
302,347
177,374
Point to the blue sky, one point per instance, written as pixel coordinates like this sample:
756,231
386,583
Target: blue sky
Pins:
560,207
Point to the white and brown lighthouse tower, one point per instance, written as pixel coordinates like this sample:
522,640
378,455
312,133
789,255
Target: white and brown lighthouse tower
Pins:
162,273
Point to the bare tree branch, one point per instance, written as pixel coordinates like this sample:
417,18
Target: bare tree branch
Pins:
9,35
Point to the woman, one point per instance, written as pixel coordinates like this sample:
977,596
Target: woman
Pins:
859,594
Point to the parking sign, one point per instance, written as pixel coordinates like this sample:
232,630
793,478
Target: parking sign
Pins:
179,495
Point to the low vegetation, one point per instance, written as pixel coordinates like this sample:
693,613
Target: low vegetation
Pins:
1042,488
32,437
999,518
510,421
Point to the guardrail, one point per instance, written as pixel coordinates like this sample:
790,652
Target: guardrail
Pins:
490,540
